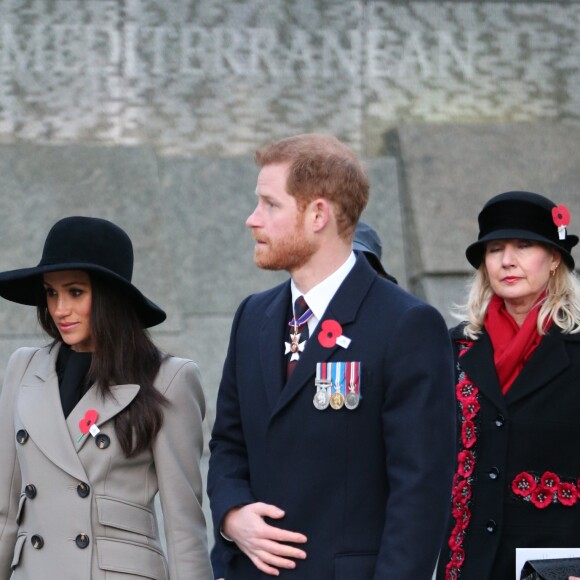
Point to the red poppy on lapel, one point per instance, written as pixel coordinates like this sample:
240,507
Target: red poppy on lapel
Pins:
88,420
331,330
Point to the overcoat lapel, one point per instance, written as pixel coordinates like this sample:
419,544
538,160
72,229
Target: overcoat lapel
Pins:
273,332
548,360
40,409
343,308
478,364
107,408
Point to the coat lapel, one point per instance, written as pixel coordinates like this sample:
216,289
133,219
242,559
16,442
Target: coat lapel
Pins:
273,332
107,408
343,308
478,364
549,360
40,409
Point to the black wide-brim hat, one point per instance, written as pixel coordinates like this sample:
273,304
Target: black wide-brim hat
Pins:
83,243
522,215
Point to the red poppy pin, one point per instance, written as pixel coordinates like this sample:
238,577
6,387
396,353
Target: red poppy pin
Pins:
561,217
88,424
331,334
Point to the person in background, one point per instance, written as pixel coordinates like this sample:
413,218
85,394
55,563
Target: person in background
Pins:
518,392
93,425
333,445
367,240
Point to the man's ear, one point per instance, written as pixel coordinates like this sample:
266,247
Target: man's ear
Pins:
321,214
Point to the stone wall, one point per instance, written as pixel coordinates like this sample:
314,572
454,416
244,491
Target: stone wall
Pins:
200,77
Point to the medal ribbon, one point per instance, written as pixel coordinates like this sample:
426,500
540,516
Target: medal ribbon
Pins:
339,376
353,371
302,320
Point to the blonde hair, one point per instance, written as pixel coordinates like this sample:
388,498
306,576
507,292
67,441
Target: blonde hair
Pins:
561,304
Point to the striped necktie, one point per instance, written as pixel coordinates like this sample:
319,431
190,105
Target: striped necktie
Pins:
298,333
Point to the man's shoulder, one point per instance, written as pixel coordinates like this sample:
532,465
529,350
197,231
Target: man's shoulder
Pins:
264,297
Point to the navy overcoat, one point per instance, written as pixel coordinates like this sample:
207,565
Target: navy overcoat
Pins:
369,487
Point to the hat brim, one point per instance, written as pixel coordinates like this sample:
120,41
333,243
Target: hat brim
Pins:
22,286
373,261
476,251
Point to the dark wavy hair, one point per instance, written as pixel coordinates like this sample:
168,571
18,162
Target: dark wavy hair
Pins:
123,353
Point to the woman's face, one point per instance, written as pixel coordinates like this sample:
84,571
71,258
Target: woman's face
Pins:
69,301
519,271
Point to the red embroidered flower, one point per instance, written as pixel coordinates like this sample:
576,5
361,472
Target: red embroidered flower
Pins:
465,346
464,491
523,484
542,496
567,494
466,462
456,537
561,216
465,390
89,419
470,408
457,508
550,480
451,571
468,436
331,330
464,518
458,556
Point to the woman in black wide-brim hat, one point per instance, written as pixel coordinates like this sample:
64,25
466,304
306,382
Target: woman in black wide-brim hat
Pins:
518,392
95,424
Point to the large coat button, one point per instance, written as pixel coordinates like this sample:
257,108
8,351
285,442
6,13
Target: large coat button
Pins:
30,491
493,473
82,541
499,421
37,541
491,526
22,436
102,441
83,489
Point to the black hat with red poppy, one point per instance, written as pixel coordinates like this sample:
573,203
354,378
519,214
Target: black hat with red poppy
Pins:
523,215
83,243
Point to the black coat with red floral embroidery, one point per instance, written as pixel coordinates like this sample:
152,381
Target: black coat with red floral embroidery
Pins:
518,469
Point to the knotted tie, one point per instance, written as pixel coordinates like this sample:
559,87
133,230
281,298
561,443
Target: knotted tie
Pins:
298,333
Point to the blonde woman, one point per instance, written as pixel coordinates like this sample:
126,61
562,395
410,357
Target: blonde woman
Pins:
518,392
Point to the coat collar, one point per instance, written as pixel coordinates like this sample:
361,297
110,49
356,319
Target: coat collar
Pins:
343,308
40,409
548,360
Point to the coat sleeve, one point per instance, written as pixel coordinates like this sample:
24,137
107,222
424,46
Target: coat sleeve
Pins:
10,479
229,471
419,435
177,454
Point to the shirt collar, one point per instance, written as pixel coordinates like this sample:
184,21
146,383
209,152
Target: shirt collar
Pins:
319,297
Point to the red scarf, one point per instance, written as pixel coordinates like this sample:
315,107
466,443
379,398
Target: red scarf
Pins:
512,345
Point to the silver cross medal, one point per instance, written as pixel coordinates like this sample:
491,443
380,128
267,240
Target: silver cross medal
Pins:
295,346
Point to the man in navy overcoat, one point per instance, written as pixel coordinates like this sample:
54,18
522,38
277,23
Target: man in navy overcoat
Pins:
333,447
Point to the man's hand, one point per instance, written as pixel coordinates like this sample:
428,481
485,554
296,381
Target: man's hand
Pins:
265,545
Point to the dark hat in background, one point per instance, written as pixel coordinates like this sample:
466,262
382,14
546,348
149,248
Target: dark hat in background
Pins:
367,240
524,216
83,243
